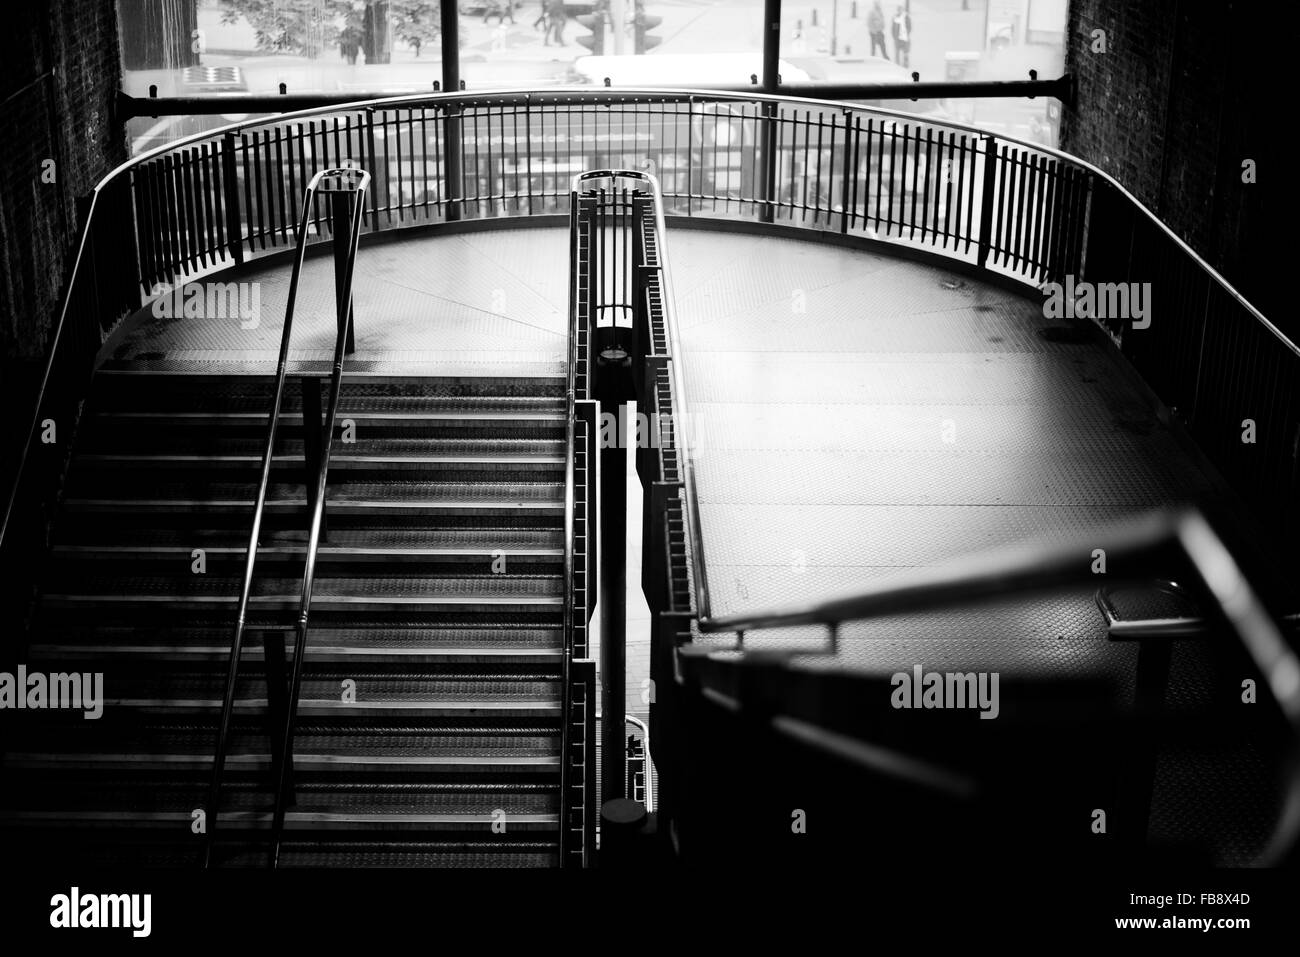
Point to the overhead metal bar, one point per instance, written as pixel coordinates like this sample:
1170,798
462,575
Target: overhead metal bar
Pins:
1061,88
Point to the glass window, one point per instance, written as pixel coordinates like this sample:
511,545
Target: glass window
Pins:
214,47
633,43
886,41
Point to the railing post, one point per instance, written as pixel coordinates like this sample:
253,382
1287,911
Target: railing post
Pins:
451,113
230,188
690,153
311,437
341,229
277,700
121,204
528,149
767,192
371,159
845,184
986,200
771,82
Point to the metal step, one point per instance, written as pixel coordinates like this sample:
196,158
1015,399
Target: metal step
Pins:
116,378
174,501
452,417
408,646
153,850
347,806
488,750
203,592
408,709
478,539
306,761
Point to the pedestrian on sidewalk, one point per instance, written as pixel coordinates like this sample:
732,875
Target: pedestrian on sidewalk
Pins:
876,27
543,20
557,18
502,8
902,36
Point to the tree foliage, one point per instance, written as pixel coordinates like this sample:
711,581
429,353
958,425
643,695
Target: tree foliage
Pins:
417,22
310,27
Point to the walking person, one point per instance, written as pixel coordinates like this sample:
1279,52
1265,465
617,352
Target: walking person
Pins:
902,36
557,18
502,8
543,18
876,27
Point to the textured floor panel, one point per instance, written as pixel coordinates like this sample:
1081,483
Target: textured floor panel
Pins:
937,427
903,378
778,479
803,536
443,301
867,415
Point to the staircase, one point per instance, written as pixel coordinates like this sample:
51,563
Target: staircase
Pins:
429,725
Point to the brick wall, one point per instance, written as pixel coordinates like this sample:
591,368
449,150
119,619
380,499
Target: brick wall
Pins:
1188,90
59,70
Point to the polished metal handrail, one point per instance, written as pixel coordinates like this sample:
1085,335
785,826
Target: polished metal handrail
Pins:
345,317
52,354
1023,569
570,612
649,765
259,506
681,405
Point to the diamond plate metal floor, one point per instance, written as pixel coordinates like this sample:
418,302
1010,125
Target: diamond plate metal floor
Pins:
857,416
481,303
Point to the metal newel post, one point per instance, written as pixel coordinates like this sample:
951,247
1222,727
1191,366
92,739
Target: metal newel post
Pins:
230,196
986,200
341,228
771,80
451,123
613,601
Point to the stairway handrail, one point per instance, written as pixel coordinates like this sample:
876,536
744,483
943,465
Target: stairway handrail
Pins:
570,428
1019,569
361,186
345,316
681,403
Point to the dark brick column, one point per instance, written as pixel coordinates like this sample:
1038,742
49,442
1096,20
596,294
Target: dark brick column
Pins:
59,70
1186,92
